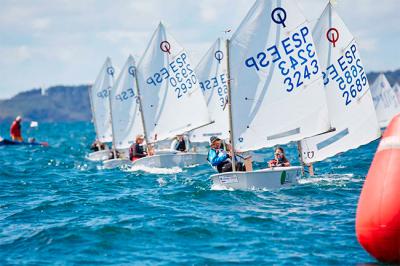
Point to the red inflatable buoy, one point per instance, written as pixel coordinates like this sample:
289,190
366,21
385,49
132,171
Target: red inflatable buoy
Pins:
378,211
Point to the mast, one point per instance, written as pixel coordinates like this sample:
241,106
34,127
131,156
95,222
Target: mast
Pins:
141,113
303,164
93,115
114,151
231,136
299,151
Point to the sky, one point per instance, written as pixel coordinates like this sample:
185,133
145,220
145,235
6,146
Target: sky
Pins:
65,42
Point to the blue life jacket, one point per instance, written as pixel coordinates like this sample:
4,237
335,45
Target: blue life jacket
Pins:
216,157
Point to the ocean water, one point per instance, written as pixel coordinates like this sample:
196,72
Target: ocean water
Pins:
58,208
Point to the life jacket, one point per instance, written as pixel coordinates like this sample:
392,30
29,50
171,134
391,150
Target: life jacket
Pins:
136,151
15,130
181,146
275,162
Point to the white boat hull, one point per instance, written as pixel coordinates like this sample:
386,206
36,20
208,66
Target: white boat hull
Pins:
170,160
98,155
270,178
115,163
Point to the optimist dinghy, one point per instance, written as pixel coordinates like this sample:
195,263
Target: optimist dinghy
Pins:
275,90
385,99
171,99
350,106
125,115
100,104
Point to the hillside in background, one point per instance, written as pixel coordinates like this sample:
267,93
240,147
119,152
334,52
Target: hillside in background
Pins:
58,103
71,103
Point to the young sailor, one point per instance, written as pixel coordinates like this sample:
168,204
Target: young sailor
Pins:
180,143
15,130
97,146
280,159
220,159
137,150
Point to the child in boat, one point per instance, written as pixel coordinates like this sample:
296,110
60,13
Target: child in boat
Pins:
180,143
97,146
280,159
137,150
220,159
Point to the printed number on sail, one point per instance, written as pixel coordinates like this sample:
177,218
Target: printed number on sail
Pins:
294,56
219,85
125,95
178,73
104,93
348,73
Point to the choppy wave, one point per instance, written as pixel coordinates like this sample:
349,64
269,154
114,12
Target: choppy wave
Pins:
58,208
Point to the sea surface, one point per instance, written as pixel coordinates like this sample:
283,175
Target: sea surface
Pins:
58,208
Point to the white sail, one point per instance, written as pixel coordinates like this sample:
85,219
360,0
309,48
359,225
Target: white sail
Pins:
99,99
350,104
396,89
127,121
212,75
385,100
171,97
276,82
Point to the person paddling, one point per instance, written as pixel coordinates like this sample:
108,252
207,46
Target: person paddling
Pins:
137,150
280,159
180,143
15,130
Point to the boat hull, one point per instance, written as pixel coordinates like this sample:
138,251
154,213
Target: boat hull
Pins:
98,155
7,142
115,163
170,160
270,178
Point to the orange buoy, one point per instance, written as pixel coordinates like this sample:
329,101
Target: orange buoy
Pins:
378,211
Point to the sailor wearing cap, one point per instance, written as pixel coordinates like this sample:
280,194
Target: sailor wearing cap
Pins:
218,157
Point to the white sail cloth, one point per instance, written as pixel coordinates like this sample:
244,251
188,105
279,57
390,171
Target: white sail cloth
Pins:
276,82
350,105
172,101
125,107
212,75
396,89
99,100
385,100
